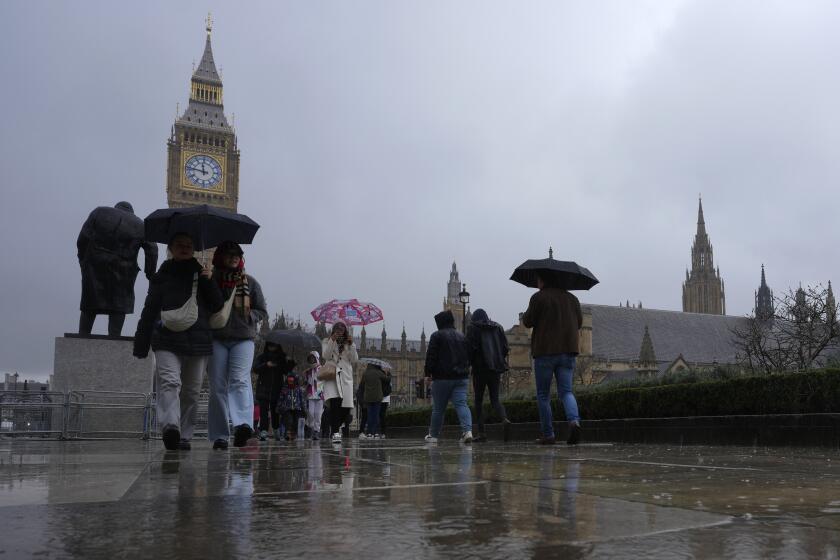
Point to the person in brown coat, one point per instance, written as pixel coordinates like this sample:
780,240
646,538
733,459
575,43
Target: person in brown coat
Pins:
556,318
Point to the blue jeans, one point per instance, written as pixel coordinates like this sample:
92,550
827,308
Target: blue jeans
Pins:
561,367
231,397
444,390
373,417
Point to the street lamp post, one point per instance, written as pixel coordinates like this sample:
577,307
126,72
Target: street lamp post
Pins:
464,297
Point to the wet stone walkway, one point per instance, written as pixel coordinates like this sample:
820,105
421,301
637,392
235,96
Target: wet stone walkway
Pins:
405,499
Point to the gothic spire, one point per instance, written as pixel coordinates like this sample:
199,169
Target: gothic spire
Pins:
646,354
701,223
206,70
764,306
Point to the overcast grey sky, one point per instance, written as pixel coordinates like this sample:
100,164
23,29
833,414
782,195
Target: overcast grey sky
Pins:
381,140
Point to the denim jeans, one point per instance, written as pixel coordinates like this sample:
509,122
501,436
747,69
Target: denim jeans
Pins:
373,417
560,367
231,398
444,390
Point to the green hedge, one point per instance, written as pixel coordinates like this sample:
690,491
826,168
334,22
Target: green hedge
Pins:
793,393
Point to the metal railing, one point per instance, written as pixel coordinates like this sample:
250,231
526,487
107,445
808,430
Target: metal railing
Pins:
153,429
32,413
85,414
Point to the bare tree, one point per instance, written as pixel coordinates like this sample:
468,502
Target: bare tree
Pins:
798,337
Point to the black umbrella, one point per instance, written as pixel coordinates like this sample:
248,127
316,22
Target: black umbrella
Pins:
561,274
293,338
206,225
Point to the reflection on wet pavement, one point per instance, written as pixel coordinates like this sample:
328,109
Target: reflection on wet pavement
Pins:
404,499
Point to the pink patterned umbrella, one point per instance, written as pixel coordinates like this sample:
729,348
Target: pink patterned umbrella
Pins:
351,311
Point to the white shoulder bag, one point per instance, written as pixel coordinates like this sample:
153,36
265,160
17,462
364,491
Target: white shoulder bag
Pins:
219,319
178,320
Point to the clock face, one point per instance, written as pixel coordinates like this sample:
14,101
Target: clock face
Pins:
203,171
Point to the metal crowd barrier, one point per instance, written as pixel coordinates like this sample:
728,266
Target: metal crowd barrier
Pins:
106,414
32,413
75,414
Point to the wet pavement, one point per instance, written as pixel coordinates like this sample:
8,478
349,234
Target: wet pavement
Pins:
406,499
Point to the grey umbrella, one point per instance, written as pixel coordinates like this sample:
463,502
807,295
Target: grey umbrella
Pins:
293,338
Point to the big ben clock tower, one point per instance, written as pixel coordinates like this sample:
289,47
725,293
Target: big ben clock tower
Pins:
203,158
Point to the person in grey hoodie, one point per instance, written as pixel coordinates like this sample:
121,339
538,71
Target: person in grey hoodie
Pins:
231,397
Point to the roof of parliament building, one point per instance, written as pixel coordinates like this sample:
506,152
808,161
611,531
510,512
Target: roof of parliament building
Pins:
702,338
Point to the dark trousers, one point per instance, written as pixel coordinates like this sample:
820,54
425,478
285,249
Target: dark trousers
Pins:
290,419
267,406
338,414
373,410
115,323
490,380
382,410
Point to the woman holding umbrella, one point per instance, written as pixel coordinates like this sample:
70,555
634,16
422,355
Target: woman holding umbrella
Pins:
340,354
175,324
231,398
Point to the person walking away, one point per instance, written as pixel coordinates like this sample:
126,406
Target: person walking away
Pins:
361,409
554,315
231,398
386,401
374,376
107,249
489,350
314,395
340,354
271,367
448,369
174,323
291,405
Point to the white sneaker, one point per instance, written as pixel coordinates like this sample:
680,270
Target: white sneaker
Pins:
381,436
336,437
430,439
364,436
467,438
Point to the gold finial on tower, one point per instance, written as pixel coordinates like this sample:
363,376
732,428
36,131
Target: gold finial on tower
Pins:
209,23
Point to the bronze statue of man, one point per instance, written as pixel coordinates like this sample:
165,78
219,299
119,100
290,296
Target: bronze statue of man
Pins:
107,247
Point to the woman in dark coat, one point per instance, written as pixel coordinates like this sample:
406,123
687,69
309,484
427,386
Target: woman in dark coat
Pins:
181,355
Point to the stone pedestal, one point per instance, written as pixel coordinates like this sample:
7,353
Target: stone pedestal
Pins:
100,371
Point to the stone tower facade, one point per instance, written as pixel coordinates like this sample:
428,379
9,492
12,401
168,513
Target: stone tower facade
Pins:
203,157
453,301
765,309
703,290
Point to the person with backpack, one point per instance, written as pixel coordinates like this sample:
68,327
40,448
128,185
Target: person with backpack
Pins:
488,348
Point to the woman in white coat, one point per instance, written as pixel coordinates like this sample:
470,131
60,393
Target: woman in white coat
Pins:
339,351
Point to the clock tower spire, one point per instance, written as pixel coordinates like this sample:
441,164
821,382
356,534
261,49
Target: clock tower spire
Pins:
203,156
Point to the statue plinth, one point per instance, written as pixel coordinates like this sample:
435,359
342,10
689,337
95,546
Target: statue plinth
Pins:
90,364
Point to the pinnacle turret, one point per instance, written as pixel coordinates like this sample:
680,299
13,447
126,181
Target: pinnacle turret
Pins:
765,308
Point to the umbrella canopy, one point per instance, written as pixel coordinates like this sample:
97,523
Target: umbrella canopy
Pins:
376,362
208,226
561,274
351,311
293,338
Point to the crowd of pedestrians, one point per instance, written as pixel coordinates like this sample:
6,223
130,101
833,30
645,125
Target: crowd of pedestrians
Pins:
196,318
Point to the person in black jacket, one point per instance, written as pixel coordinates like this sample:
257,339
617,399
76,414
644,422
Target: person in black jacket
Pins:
181,357
271,368
488,357
448,369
